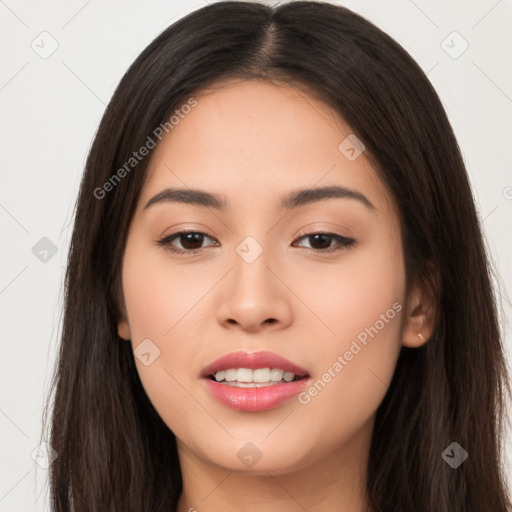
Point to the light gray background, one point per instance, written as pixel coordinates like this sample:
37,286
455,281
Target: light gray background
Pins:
50,109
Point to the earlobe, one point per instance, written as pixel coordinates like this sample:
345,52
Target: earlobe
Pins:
123,329
420,317
415,343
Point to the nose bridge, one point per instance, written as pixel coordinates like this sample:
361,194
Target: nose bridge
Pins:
251,277
253,295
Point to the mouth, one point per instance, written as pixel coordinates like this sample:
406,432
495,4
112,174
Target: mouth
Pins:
253,382
254,378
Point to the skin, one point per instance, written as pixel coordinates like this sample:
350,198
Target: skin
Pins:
253,142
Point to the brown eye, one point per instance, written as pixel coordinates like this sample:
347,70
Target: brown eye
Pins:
321,242
191,242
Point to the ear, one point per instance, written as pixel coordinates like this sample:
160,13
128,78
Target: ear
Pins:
420,315
123,327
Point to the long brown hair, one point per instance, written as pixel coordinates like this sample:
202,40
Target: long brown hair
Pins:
114,451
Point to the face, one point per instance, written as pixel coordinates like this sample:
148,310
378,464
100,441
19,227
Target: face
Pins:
316,280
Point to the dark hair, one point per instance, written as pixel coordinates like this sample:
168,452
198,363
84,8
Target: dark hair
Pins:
114,451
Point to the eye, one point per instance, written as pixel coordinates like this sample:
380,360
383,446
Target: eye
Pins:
322,242
191,242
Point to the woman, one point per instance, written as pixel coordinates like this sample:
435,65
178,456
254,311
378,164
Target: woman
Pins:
277,295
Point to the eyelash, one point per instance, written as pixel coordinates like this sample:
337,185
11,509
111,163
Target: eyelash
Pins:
165,242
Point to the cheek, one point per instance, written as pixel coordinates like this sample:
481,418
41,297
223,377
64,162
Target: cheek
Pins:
362,302
159,304
157,294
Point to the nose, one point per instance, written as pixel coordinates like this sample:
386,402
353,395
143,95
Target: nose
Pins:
254,297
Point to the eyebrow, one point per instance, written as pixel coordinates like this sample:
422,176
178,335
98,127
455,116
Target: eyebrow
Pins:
291,200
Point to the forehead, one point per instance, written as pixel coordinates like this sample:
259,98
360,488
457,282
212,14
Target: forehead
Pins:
254,140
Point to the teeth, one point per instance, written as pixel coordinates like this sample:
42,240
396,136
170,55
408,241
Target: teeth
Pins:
258,376
230,375
276,374
244,375
261,375
249,384
220,375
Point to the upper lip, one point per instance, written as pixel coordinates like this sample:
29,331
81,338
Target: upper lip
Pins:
253,360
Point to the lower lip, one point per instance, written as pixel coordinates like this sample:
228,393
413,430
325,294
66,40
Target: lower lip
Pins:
254,399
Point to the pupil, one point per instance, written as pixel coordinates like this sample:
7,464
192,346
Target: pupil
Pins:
325,238
191,238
